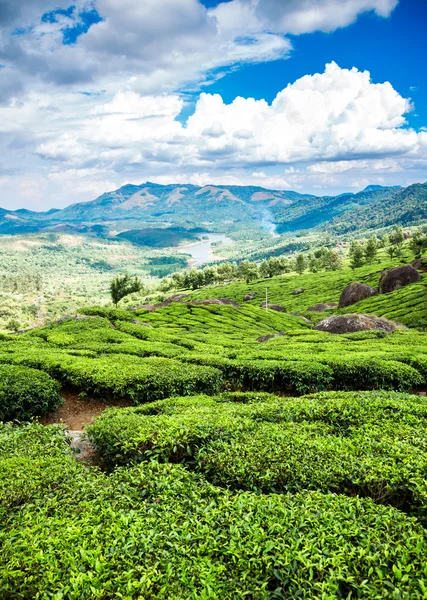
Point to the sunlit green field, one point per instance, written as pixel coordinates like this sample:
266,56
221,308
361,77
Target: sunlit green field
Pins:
288,468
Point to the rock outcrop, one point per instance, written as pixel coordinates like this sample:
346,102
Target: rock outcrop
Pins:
298,291
322,306
420,264
355,292
276,307
393,279
152,307
270,336
352,323
219,301
249,296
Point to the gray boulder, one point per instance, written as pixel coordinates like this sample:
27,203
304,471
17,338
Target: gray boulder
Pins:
354,293
352,323
393,279
270,336
276,307
298,291
420,264
322,306
249,296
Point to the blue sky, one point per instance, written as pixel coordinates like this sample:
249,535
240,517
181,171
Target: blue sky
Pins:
393,49
320,96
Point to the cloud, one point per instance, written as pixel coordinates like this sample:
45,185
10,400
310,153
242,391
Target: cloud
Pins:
15,12
63,140
155,45
317,129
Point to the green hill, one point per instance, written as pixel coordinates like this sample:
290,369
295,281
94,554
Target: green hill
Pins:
248,210
285,466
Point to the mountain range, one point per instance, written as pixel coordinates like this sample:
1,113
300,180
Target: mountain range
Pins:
224,209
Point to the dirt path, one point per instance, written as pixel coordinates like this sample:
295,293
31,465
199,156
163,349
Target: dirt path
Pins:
77,412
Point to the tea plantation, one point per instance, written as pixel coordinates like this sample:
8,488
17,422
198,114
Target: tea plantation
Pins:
249,467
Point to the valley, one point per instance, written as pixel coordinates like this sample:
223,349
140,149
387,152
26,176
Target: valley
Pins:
190,440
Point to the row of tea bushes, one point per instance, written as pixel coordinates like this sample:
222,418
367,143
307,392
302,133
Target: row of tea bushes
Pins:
119,375
25,393
157,531
368,443
295,373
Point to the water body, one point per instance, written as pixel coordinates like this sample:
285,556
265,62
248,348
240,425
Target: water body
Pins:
203,252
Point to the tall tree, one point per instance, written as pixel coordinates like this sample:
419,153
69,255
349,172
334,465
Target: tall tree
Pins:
371,249
300,264
356,255
122,286
397,238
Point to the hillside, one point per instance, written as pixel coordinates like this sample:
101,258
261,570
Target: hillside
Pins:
406,207
254,211
232,464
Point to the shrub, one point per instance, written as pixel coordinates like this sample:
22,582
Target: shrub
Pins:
372,444
157,531
271,376
26,393
121,375
371,373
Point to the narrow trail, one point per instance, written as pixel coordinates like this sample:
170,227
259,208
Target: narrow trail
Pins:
75,414
82,448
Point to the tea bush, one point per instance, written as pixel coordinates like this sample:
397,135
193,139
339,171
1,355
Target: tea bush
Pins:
26,393
371,444
121,376
158,531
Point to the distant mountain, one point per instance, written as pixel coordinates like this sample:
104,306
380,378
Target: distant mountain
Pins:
373,188
133,209
403,206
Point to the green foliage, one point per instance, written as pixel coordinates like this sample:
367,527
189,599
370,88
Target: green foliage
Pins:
123,286
418,242
356,254
157,531
300,264
26,393
397,239
371,249
370,444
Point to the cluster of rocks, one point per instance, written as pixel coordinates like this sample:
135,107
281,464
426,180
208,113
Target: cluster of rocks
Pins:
270,336
153,307
390,281
250,296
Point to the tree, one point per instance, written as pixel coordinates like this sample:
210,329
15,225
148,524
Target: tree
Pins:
385,240
356,255
124,285
196,279
300,264
13,325
225,271
178,280
210,275
264,269
391,251
397,238
371,249
418,242
247,271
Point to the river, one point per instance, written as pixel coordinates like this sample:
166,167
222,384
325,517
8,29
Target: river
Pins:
203,252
